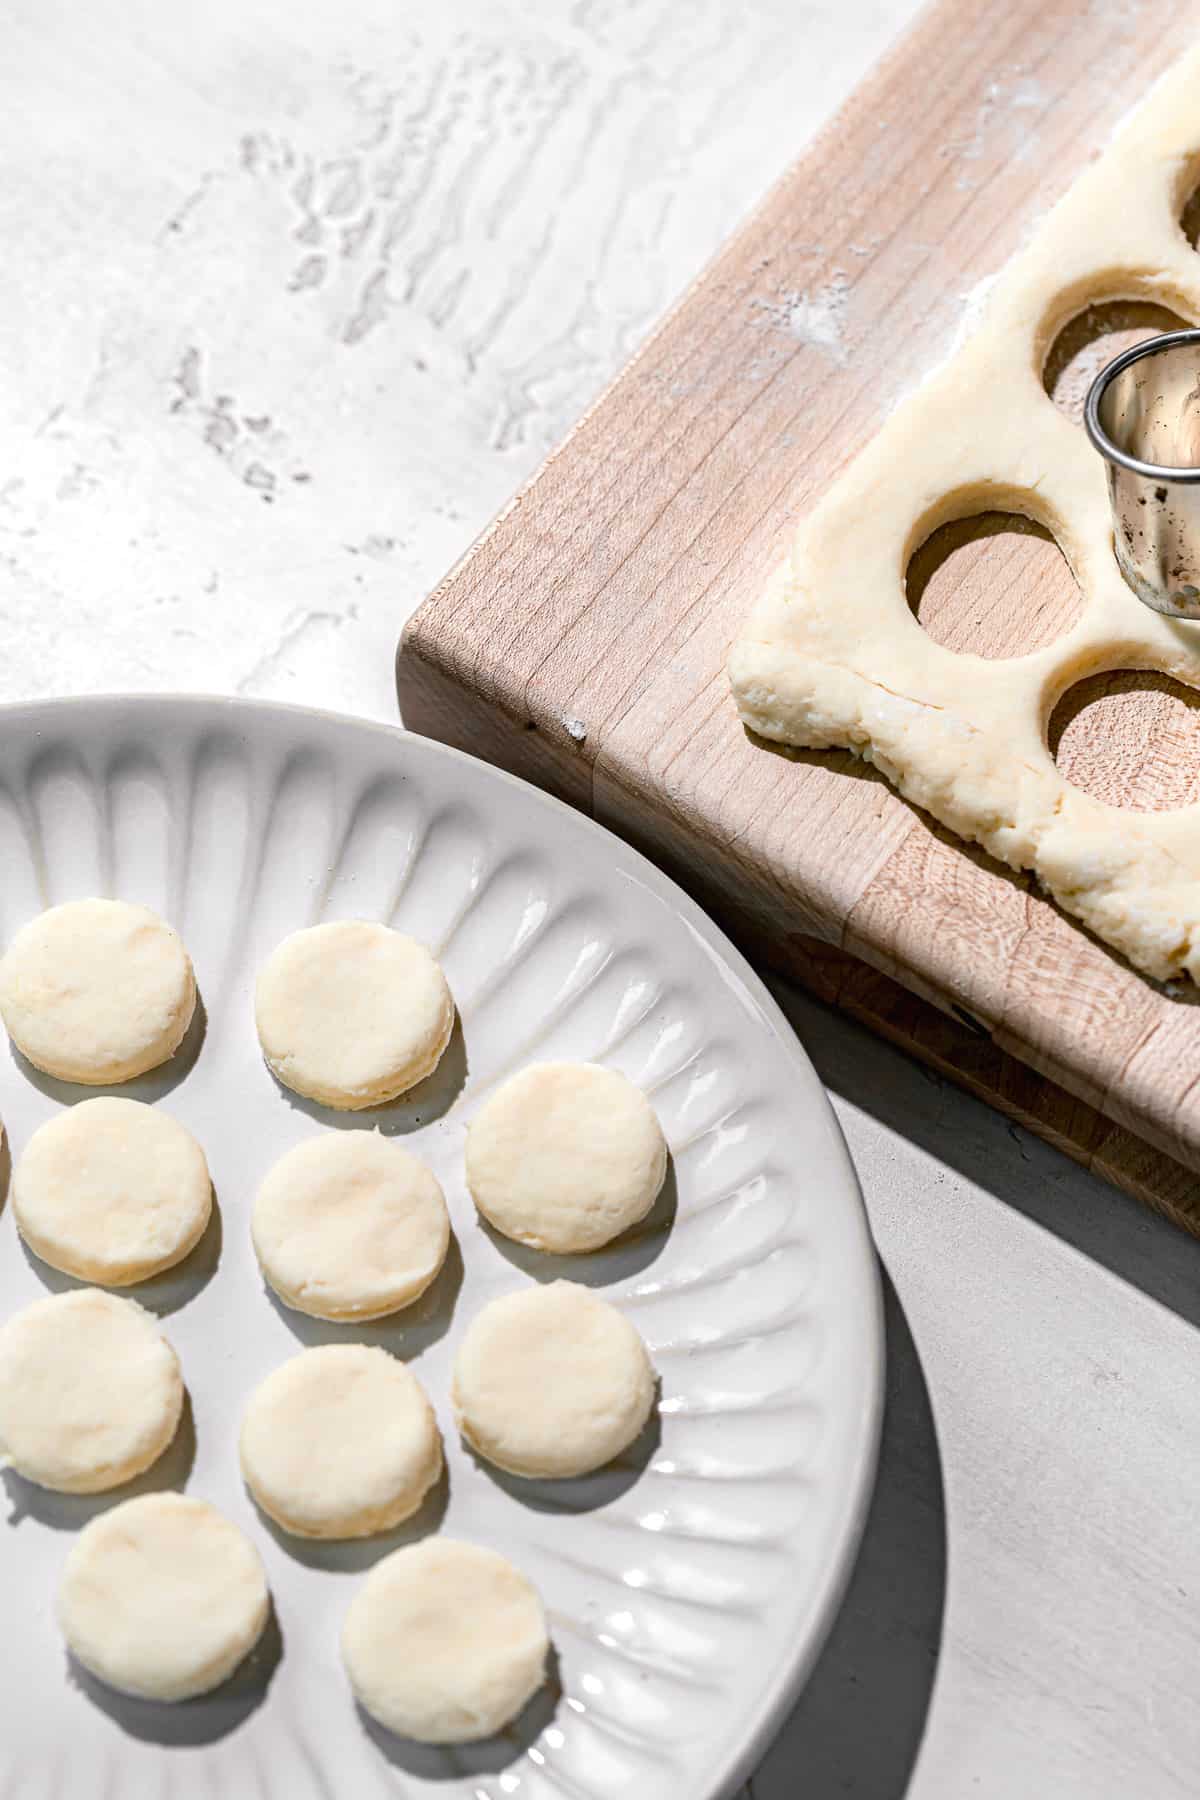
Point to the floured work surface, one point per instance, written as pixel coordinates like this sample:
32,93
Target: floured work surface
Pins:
834,655
583,641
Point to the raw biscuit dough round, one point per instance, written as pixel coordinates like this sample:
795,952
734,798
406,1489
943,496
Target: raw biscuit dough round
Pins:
445,1642
340,1442
90,1391
565,1157
112,1191
97,991
350,1226
551,1381
162,1597
352,1013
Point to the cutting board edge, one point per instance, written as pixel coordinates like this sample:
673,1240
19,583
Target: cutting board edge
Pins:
905,1007
457,684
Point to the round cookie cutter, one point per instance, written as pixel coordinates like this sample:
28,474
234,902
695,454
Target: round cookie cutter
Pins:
1143,416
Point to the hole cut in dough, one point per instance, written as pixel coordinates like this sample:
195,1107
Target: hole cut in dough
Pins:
340,1442
112,1191
350,1226
352,1013
162,1597
995,584
1189,218
445,1642
97,991
565,1157
1089,342
90,1391
1131,739
552,1382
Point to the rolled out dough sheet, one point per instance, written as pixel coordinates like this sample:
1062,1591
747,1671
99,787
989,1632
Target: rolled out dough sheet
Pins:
832,654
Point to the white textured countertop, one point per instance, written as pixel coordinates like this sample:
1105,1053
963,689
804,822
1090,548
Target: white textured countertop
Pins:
293,297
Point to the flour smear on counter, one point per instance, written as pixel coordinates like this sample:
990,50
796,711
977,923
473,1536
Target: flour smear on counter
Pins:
304,293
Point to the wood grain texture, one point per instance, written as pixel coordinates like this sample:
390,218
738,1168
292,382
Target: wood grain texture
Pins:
582,641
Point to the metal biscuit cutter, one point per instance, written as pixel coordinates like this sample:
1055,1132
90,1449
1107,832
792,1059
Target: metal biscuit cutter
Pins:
1143,416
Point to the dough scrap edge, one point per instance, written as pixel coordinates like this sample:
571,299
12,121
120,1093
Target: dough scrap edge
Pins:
1124,887
831,656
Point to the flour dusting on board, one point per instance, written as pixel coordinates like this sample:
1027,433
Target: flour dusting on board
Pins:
974,305
815,316
999,111
1019,95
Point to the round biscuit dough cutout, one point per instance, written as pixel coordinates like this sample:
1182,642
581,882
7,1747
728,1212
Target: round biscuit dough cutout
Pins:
162,1597
445,1642
351,1013
551,1382
565,1157
350,1226
112,1191
97,991
340,1442
90,1391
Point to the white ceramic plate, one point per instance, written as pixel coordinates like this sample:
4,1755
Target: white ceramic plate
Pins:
689,1588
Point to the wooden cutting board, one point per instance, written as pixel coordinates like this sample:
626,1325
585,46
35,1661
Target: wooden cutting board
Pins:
582,641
